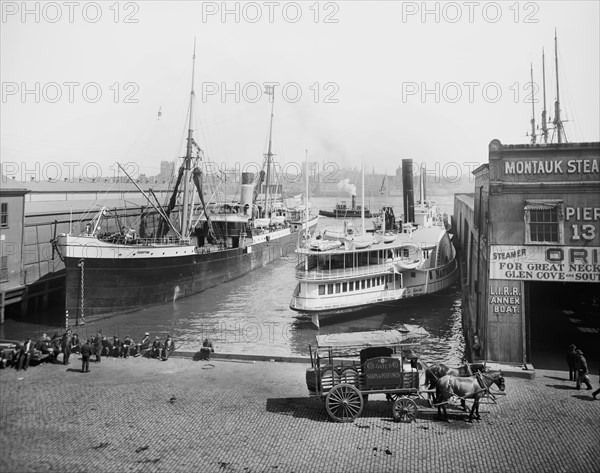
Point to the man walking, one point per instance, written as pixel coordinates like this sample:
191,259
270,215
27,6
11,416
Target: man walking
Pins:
582,371
86,352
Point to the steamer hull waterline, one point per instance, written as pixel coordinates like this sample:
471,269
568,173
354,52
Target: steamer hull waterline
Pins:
193,248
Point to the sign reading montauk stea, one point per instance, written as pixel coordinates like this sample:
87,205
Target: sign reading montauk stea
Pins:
545,263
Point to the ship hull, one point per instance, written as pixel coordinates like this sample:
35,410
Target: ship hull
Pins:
344,213
109,281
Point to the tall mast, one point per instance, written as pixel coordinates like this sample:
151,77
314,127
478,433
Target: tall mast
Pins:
270,91
188,155
362,207
557,121
533,136
306,197
544,120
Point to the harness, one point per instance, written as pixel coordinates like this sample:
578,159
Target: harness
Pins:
484,388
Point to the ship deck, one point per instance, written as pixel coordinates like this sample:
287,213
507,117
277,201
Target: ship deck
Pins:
422,237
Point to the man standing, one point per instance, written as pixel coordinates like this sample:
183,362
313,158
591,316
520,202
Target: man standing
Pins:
86,352
572,362
66,346
25,355
167,348
582,371
98,347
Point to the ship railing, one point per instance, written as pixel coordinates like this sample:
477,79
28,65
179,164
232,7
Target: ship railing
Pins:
341,273
164,241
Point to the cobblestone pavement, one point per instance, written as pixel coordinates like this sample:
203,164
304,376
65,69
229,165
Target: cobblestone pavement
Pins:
145,415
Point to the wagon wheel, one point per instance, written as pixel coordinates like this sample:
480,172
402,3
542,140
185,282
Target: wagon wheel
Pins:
404,410
392,397
344,403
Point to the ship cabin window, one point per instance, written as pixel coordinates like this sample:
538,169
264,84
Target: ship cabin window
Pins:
368,283
362,283
4,215
344,287
337,287
405,253
329,288
351,283
321,289
3,268
544,221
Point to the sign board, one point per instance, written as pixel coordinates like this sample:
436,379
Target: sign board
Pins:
545,263
383,371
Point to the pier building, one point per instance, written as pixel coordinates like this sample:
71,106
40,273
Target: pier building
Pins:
529,245
12,211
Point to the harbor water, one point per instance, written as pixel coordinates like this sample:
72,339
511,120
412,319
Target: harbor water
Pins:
251,315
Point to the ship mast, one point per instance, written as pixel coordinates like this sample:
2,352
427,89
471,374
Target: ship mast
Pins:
270,90
188,156
306,199
557,121
533,135
544,120
362,207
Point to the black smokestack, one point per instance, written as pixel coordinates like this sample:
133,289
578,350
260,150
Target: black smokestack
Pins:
407,190
353,201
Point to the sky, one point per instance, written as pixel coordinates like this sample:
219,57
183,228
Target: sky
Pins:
86,85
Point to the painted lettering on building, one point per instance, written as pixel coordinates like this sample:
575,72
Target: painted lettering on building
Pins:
553,166
505,300
545,263
583,226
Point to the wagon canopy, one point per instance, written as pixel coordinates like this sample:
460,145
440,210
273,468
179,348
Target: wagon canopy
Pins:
375,338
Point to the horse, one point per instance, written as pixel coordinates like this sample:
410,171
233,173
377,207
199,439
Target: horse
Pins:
437,371
467,387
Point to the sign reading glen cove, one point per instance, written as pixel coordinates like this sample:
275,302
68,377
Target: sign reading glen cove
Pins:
545,263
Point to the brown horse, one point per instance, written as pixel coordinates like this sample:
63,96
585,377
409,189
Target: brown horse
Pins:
467,387
437,371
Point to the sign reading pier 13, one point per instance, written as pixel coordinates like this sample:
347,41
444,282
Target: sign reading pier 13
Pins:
545,263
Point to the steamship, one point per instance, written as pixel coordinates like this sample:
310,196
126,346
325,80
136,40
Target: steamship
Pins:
194,247
342,210
419,259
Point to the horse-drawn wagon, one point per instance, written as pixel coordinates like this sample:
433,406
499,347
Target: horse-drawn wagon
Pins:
347,368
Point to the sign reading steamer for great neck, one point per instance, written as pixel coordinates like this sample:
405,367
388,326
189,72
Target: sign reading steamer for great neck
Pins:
545,263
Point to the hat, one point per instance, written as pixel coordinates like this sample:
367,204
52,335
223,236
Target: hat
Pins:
147,334
155,338
579,352
572,347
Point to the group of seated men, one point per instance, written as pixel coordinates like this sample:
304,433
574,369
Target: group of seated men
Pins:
117,348
49,348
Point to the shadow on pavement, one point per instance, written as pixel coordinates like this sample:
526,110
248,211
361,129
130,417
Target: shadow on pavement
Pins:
557,378
561,386
302,407
585,397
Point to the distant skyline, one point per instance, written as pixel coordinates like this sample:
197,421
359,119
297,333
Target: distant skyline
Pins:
90,85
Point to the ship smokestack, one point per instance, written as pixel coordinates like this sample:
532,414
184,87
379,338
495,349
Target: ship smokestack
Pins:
408,197
247,192
353,201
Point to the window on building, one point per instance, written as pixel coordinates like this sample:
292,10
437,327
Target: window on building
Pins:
544,221
3,268
4,215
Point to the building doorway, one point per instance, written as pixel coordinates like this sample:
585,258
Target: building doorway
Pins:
559,314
